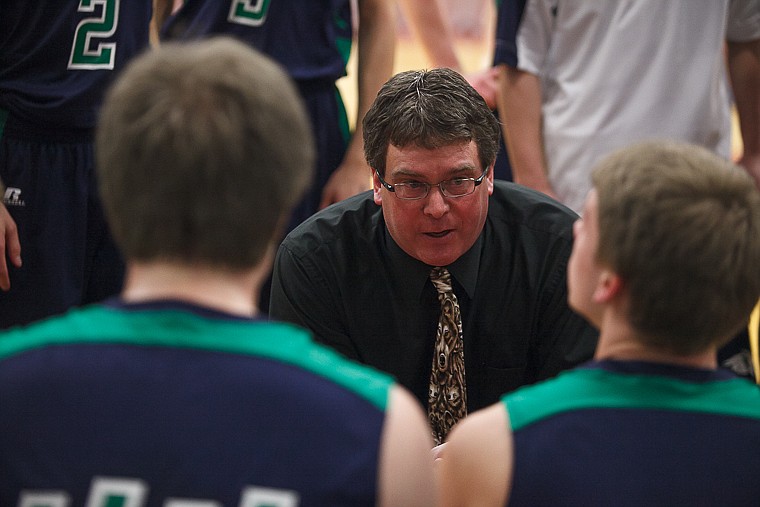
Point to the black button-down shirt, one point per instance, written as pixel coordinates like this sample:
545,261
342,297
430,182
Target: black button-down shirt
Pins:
341,275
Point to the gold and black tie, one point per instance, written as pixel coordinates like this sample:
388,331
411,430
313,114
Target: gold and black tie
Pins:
447,399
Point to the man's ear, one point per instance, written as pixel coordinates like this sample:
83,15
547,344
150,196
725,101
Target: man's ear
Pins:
489,179
608,287
376,188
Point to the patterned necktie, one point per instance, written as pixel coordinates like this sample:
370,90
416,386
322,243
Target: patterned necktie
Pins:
447,399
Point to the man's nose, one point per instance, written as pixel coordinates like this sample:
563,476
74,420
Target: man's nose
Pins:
436,204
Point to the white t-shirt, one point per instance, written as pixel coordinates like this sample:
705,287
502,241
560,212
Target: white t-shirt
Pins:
614,72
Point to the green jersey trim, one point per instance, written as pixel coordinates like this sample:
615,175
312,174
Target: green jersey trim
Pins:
182,329
596,388
345,128
343,44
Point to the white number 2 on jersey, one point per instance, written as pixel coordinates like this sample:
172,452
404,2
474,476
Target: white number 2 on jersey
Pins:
87,52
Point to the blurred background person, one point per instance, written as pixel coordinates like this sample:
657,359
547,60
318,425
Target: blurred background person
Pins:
56,61
580,79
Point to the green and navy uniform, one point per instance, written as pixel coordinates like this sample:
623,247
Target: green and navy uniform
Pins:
636,433
166,400
56,60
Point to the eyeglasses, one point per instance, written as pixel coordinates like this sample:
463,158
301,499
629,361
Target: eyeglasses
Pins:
413,190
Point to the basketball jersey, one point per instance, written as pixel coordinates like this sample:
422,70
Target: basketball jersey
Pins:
152,402
632,433
57,58
310,38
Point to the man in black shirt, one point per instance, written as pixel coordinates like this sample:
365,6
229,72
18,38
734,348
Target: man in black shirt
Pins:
357,273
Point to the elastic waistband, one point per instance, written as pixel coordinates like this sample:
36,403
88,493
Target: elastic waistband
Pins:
12,127
315,85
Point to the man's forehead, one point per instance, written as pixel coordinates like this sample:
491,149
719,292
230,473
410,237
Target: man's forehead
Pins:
412,169
408,162
431,143
461,150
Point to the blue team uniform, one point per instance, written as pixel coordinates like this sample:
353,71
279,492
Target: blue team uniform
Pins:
56,60
311,39
633,433
165,400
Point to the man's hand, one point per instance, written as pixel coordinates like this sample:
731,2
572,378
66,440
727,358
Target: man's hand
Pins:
350,178
437,452
486,84
9,245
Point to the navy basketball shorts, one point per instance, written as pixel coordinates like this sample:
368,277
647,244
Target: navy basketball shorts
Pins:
68,255
331,134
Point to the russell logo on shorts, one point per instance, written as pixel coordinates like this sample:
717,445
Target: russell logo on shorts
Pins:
12,197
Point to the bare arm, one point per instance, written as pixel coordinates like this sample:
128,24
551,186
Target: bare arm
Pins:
476,465
744,68
519,101
374,67
162,9
406,469
430,28
9,244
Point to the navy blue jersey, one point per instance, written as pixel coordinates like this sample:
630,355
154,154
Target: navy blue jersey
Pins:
159,401
58,56
630,433
310,38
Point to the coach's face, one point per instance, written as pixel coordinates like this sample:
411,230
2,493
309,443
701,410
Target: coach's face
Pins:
435,229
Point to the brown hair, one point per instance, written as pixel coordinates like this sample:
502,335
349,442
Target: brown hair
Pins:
428,108
202,149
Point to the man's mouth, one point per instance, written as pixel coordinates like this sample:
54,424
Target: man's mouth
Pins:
438,234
